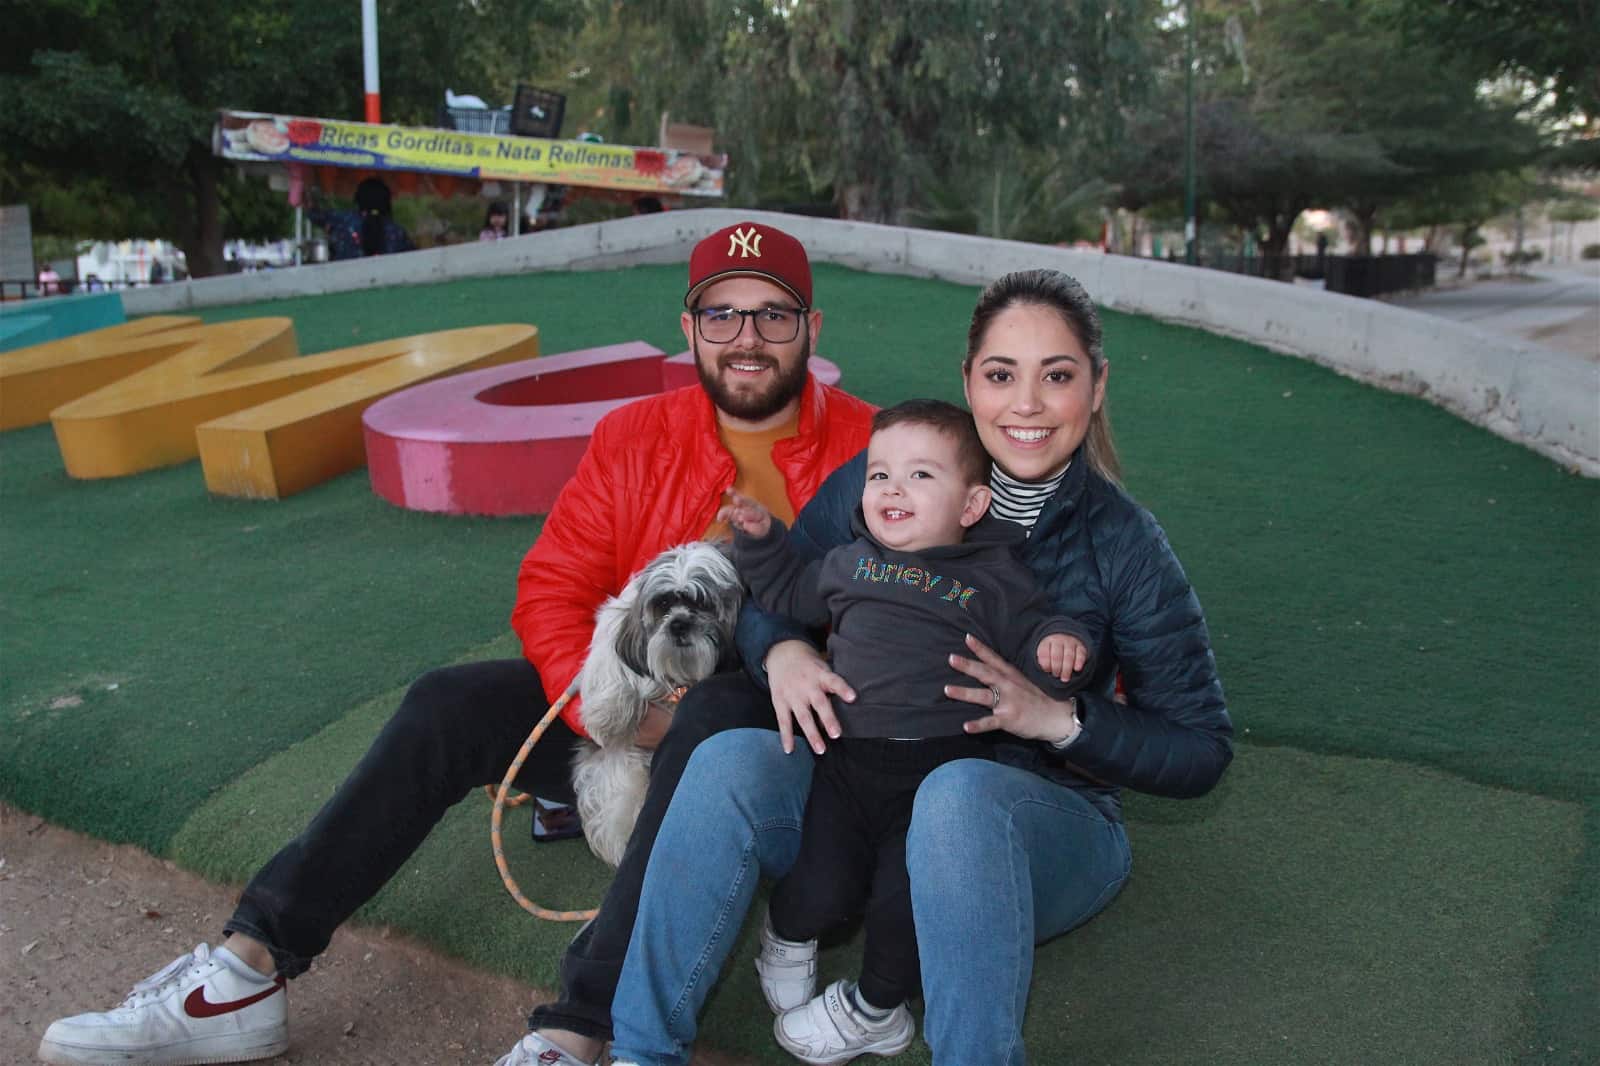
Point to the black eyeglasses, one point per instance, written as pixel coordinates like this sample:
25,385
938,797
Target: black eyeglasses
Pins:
775,325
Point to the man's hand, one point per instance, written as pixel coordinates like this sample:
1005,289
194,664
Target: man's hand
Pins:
1061,655
801,684
749,516
653,726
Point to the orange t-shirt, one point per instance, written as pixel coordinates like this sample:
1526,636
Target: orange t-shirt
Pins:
756,475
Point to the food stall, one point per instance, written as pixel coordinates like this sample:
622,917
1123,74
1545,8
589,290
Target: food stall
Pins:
335,155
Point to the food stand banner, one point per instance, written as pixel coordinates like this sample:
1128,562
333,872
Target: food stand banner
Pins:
251,137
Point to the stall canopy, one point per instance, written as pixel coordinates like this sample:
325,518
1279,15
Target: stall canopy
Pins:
337,154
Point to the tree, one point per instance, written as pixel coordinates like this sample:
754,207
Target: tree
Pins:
1423,108
878,102
1326,103
1572,210
1257,175
1464,202
1554,44
1551,48
1023,195
124,96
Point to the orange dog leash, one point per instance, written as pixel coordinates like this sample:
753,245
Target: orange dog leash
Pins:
503,799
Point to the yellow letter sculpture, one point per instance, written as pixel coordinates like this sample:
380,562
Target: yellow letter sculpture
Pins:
284,446
35,381
147,419
265,422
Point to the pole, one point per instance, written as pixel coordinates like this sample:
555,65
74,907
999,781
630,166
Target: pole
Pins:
299,233
369,57
516,209
1191,229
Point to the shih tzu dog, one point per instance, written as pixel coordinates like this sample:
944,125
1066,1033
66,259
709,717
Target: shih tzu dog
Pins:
671,626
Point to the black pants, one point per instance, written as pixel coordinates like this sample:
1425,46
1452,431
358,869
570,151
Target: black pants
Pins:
458,729
853,854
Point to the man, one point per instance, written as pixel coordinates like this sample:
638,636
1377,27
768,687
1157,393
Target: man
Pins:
654,475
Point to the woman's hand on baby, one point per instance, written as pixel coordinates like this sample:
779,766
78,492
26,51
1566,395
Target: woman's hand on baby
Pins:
745,514
1014,703
801,686
1061,655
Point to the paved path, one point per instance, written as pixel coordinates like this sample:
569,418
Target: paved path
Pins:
82,920
1558,306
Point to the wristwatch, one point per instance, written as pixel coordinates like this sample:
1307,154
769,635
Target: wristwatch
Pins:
1077,729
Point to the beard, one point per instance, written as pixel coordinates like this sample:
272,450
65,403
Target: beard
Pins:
752,404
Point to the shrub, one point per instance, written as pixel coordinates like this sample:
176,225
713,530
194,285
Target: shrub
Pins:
1591,251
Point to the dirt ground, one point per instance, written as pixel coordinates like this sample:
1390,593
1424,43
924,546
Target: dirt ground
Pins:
81,921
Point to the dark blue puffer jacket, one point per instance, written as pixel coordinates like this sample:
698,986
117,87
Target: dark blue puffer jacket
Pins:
1107,564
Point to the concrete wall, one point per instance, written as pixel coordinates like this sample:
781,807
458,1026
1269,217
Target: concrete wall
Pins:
16,243
1546,399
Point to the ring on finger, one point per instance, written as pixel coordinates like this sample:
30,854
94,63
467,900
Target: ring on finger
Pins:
996,692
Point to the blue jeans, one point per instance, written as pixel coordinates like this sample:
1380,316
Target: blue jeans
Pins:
1000,859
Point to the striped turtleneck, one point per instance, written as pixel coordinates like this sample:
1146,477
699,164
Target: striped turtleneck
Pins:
1021,501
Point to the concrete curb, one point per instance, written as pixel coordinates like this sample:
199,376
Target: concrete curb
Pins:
1540,397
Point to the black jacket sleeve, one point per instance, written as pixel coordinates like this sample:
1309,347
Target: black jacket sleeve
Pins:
1173,736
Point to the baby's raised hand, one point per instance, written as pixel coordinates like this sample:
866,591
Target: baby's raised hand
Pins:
1061,655
747,515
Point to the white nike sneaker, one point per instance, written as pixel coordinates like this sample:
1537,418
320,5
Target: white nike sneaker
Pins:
830,1030
788,969
204,1007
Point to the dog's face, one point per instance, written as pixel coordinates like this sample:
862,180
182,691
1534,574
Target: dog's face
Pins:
681,611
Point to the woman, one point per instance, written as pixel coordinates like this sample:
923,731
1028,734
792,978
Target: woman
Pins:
1002,854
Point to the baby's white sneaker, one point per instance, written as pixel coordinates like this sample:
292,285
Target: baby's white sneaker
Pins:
788,969
831,1030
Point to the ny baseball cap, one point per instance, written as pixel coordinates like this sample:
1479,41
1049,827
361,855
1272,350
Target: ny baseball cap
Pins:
750,249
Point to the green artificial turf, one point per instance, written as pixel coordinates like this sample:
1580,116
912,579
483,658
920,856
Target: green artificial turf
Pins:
1312,910
1405,610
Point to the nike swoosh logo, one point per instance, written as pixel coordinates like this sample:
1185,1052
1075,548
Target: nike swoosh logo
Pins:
197,1006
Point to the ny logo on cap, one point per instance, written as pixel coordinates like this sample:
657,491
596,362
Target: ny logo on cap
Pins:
747,242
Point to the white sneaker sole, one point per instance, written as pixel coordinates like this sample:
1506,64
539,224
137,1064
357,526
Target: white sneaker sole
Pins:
886,1046
201,1051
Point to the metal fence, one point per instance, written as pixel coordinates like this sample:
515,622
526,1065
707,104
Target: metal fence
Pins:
1378,275
30,289
1353,275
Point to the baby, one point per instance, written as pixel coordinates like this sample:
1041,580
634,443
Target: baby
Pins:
927,568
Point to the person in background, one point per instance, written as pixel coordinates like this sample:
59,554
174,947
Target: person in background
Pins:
496,223
368,230
49,281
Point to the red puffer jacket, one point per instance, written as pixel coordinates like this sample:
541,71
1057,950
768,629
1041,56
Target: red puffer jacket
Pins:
653,477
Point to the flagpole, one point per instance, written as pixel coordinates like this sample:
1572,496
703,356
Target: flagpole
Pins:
369,57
